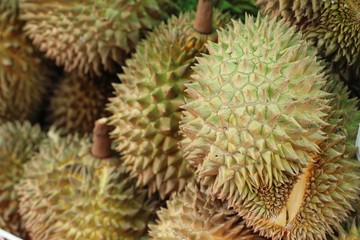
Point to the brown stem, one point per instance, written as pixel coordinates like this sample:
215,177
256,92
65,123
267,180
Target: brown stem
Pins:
203,20
101,147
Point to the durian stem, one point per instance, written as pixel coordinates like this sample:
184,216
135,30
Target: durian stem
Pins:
101,147
203,20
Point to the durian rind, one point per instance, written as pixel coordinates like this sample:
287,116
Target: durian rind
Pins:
146,107
18,142
251,76
76,103
66,193
23,76
192,215
90,36
253,118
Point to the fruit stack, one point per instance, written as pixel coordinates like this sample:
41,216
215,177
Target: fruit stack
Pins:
173,120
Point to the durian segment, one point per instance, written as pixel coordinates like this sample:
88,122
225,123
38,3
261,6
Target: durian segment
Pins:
192,215
90,36
146,107
255,111
331,181
68,194
76,102
23,77
18,142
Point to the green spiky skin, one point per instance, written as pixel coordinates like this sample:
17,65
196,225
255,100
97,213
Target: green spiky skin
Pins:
90,36
77,102
146,107
332,26
18,142
192,215
66,193
23,77
258,116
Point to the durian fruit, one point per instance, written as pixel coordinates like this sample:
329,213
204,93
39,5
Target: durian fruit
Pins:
18,142
353,232
90,36
332,26
192,215
23,77
67,193
263,132
76,102
146,107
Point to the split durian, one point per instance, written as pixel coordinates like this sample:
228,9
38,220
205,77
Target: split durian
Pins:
18,142
76,102
263,132
67,193
23,77
90,36
146,107
192,215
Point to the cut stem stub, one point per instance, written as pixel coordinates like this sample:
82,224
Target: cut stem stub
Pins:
203,20
101,147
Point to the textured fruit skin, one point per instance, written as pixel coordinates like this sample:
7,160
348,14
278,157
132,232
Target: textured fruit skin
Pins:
18,142
192,215
146,107
258,116
76,103
90,36
23,77
332,26
68,194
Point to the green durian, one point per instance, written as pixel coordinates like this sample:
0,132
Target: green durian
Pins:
90,36
146,107
332,26
23,76
18,142
76,102
352,233
263,131
67,193
192,215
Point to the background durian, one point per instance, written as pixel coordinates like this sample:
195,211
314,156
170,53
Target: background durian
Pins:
67,193
18,142
77,101
90,36
145,110
24,77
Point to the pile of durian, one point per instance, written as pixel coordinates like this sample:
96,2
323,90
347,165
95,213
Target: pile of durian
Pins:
180,120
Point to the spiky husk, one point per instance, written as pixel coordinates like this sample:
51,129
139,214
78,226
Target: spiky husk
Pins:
260,126
192,215
90,36
18,142
352,233
146,107
76,102
23,77
66,193
332,26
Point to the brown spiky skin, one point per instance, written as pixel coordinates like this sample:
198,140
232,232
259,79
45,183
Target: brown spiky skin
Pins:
90,36
191,215
23,77
146,107
257,117
66,193
332,26
18,142
77,102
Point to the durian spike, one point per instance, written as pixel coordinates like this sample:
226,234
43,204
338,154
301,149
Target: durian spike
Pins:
203,19
101,147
